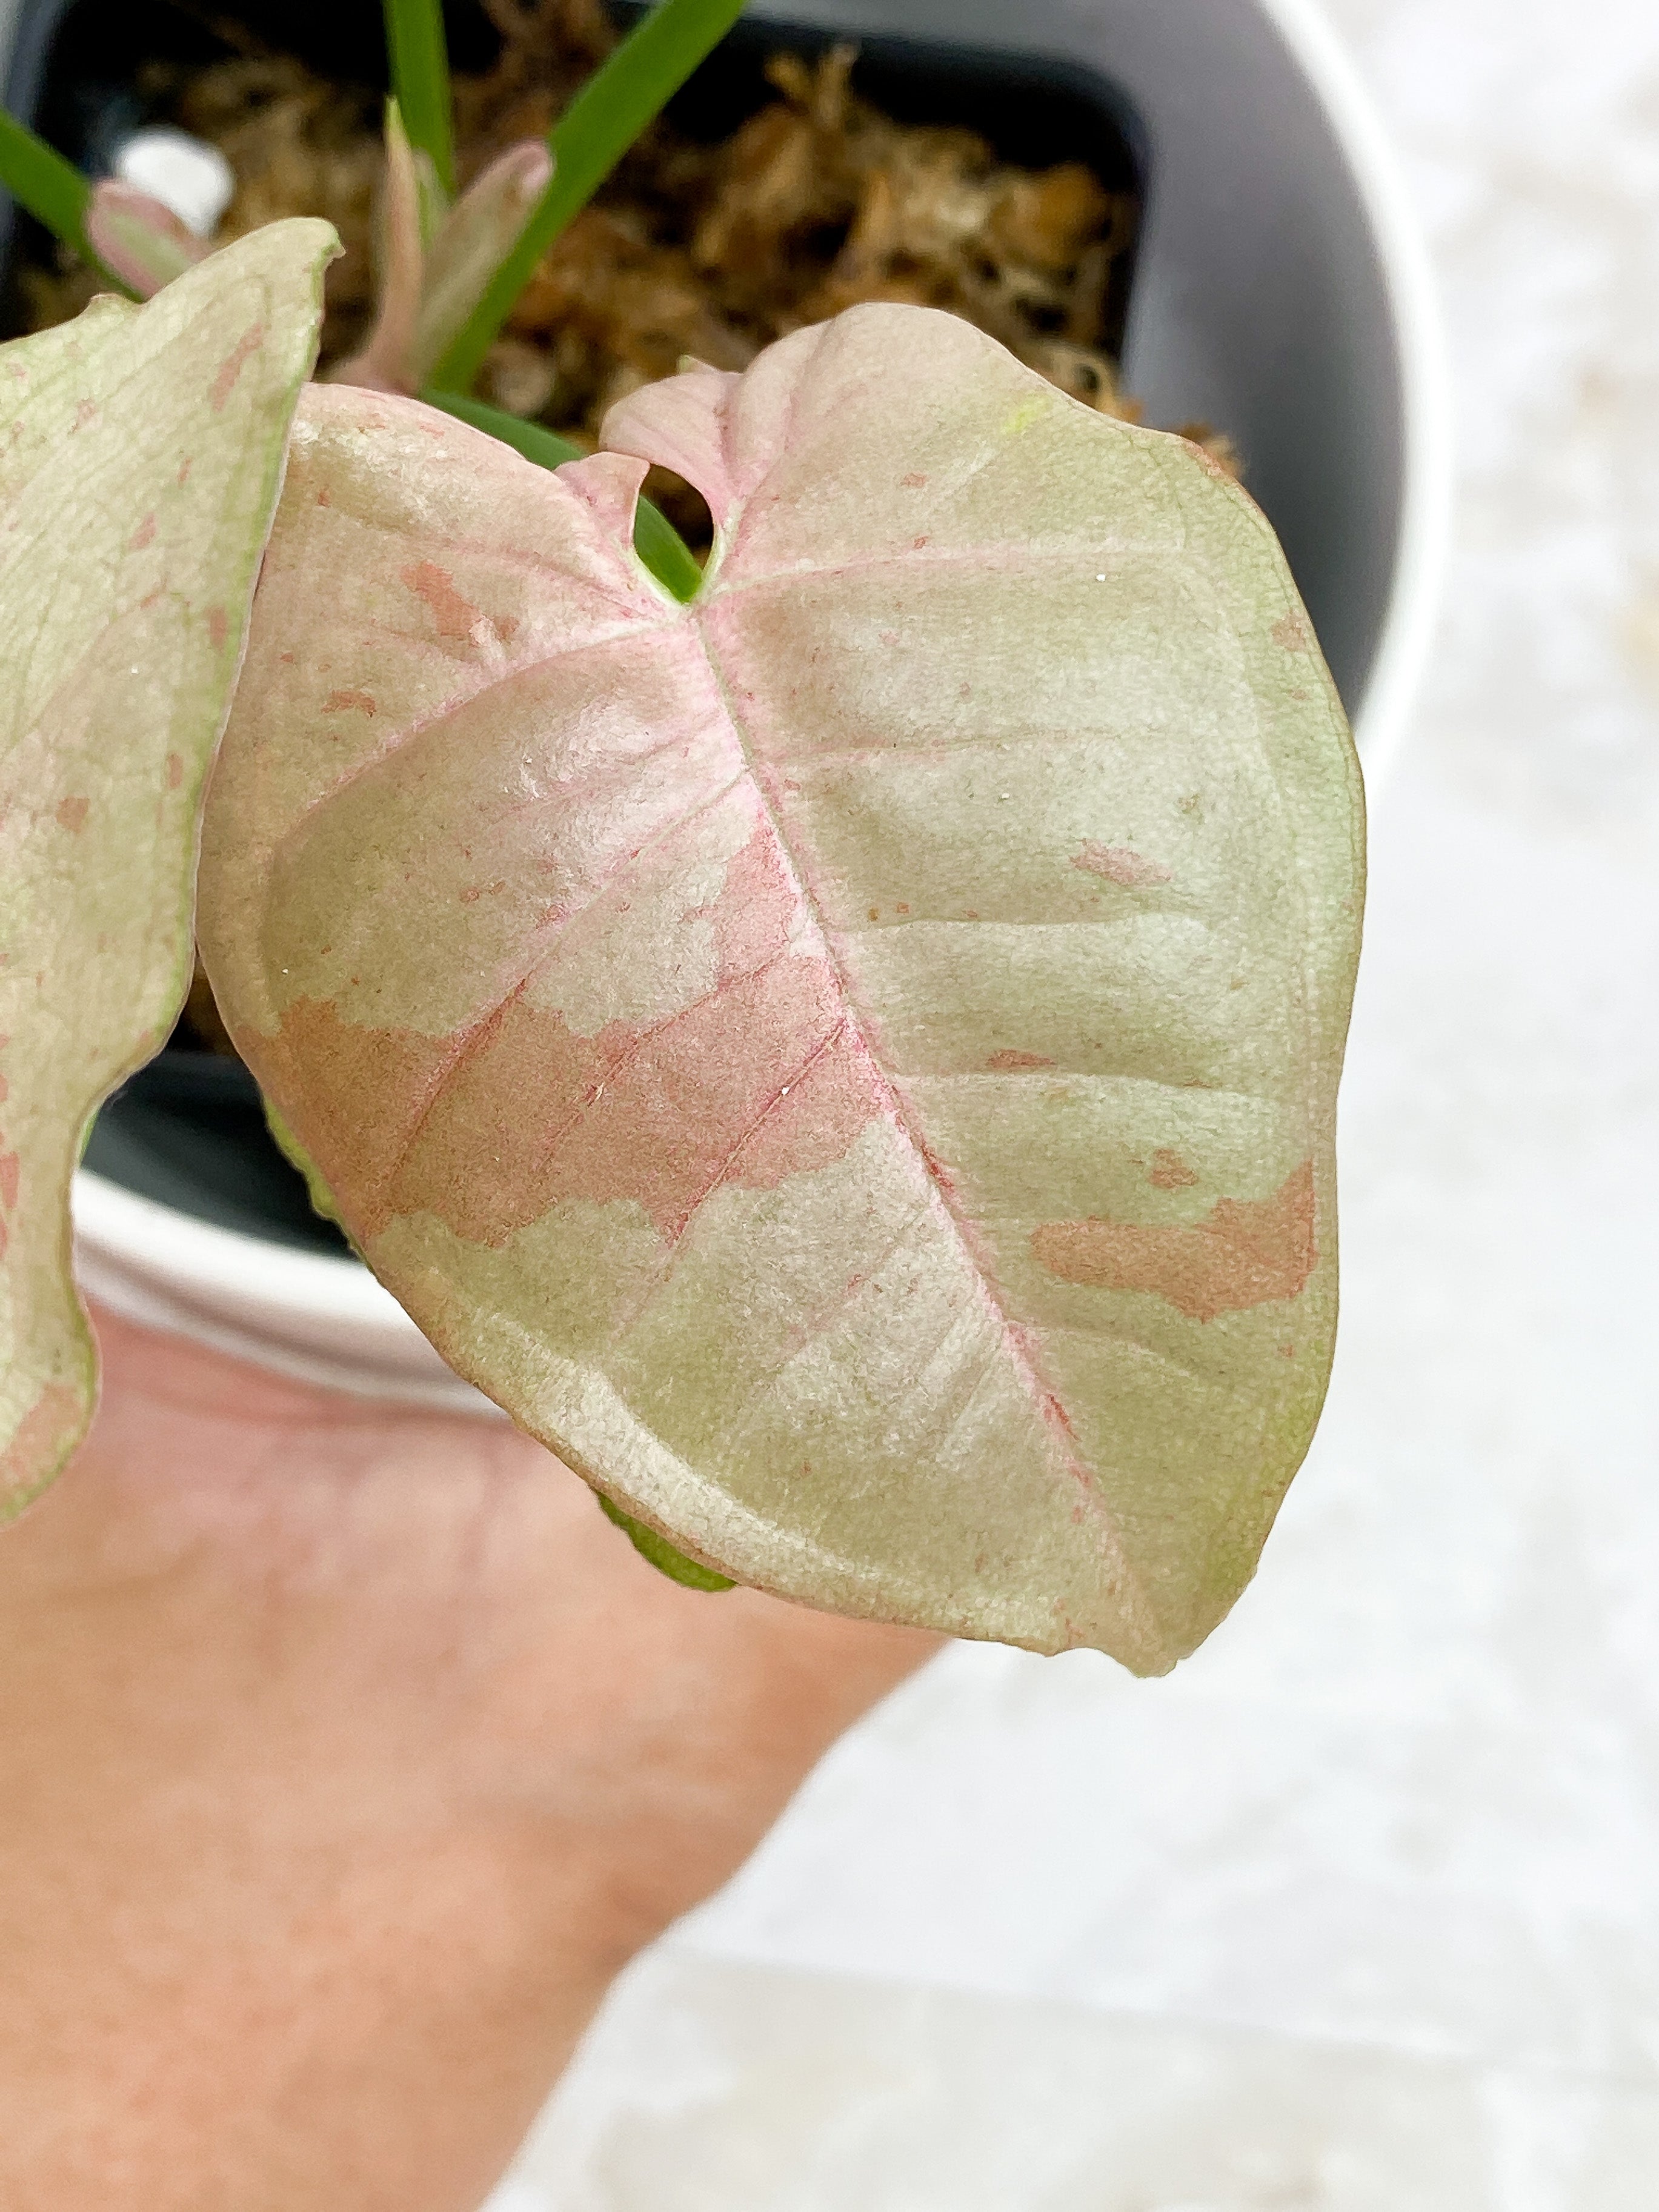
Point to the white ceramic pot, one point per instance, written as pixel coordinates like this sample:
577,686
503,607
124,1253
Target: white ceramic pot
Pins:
1280,292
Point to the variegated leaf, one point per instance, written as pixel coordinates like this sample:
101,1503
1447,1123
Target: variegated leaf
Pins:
140,459
851,1061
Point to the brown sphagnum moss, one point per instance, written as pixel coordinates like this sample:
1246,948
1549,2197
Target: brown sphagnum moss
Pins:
819,202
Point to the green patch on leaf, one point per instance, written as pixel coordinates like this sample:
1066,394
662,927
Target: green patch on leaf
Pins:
661,1553
322,1198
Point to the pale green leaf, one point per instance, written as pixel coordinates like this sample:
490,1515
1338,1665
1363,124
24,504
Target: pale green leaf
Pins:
849,1061
140,452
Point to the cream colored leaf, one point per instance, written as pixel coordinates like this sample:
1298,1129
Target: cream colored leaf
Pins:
140,452
849,1062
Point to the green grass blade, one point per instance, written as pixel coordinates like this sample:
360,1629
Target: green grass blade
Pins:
607,115
665,552
420,81
53,190
656,541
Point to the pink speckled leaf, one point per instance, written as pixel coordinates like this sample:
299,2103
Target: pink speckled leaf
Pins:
138,239
141,451
849,1062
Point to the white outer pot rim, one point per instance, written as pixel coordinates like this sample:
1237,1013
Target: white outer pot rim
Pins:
1424,551
304,1313
328,1320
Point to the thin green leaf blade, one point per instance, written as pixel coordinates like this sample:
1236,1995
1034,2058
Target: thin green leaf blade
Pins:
419,56
53,190
616,104
665,552
533,440
141,451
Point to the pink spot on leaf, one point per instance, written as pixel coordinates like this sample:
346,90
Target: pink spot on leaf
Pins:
1168,1172
233,365
1243,1253
454,617
71,814
1119,864
348,702
761,1079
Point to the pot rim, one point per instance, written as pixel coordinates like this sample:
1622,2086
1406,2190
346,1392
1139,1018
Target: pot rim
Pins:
1422,551
310,1314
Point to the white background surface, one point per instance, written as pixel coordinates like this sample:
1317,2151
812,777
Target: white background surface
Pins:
1359,1910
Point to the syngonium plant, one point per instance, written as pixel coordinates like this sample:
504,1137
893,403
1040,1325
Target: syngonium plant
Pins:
844,1050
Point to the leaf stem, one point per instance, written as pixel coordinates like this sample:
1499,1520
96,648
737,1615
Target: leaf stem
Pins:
420,81
656,541
607,115
53,190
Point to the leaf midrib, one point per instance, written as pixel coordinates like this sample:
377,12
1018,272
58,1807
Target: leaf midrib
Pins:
1041,1393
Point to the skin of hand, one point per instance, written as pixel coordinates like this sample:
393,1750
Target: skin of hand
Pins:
346,1755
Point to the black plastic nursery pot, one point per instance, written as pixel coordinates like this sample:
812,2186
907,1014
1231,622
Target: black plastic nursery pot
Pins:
1273,293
